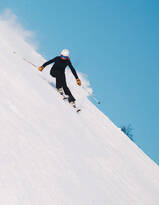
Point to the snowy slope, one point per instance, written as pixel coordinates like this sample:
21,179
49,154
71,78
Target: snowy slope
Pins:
51,155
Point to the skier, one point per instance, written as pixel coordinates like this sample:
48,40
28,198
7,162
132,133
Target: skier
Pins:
58,71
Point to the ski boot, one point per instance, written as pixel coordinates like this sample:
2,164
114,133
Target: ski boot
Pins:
62,94
74,106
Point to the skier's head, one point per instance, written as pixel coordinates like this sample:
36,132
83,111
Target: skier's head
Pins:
65,54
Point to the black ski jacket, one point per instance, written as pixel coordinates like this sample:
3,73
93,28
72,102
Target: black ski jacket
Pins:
59,66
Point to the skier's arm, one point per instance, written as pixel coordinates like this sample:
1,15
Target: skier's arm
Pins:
49,62
74,73
72,69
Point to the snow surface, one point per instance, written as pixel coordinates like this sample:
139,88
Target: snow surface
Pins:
51,155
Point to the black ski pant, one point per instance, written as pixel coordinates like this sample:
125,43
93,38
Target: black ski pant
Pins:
61,83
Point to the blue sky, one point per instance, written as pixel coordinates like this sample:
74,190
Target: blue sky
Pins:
116,43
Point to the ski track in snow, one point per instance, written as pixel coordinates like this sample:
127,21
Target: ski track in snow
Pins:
51,155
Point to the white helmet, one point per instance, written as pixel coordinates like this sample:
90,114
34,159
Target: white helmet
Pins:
65,52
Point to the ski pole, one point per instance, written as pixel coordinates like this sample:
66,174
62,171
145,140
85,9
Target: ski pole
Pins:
29,62
92,96
14,52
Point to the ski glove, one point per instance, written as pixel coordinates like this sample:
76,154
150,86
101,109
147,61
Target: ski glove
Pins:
78,81
41,68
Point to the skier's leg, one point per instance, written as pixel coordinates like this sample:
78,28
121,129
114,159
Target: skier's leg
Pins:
67,90
59,84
